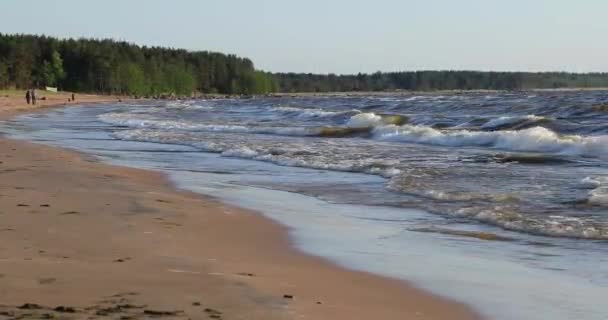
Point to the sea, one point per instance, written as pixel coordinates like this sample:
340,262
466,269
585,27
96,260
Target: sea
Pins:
497,200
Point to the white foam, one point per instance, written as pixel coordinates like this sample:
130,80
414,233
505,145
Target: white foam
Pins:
557,226
285,156
599,194
148,122
242,152
364,120
593,182
503,121
599,197
536,139
306,113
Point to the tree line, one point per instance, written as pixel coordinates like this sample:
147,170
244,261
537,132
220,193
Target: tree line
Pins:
438,80
118,67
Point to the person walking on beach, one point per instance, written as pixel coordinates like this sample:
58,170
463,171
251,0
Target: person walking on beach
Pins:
73,97
27,96
33,96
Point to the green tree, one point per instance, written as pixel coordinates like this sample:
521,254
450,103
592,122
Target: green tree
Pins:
22,62
180,80
132,79
4,76
52,72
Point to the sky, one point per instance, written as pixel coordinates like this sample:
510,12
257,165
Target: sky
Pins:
343,36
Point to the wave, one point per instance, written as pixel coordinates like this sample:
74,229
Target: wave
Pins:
600,108
512,218
357,125
147,122
391,128
143,121
309,113
529,159
536,139
598,196
515,122
370,120
293,156
503,210
340,132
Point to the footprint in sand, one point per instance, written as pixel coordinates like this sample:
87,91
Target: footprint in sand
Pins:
245,274
46,280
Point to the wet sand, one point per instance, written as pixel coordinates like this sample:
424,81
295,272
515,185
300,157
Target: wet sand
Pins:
89,240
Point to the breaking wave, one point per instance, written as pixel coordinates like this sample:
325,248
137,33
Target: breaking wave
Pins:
392,128
360,124
598,196
518,150
513,218
293,156
536,139
506,122
370,120
127,120
501,210
309,113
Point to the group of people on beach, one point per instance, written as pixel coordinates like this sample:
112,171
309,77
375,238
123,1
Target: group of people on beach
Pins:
30,95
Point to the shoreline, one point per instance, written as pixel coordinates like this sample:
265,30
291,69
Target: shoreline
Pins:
187,248
423,93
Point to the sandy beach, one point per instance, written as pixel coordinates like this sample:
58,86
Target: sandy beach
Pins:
83,239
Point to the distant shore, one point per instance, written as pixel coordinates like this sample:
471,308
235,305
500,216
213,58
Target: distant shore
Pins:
430,92
395,93
15,99
92,240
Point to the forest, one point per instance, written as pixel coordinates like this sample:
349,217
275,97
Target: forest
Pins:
118,67
438,80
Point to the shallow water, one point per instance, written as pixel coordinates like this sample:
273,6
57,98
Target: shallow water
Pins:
510,189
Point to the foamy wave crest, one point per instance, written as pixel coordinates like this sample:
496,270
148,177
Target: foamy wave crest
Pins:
555,226
292,156
143,121
371,120
358,125
508,122
290,159
594,182
598,196
536,139
187,105
364,120
178,104
305,113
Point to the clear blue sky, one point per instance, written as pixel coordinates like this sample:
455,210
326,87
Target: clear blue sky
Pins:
343,36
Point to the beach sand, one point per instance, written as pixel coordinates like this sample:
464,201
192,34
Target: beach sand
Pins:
89,240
